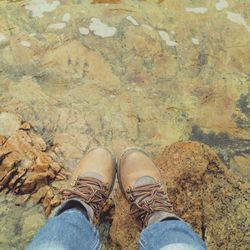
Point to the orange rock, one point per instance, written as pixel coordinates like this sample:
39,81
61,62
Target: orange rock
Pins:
4,182
25,168
40,194
43,159
33,180
3,154
2,175
10,160
47,202
47,209
20,173
2,140
38,142
26,126
60,177
55,167
55,201
21,142
22,199
40,168
50,194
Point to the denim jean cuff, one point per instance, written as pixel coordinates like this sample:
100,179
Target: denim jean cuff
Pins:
76,204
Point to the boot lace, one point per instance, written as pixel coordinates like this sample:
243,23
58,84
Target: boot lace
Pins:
147,199
90,190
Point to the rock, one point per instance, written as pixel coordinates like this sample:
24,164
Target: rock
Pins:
40,194
10,159
42,162
26,168
21,143
48,202
62,176
132,89
71,146
17,179
128,236
35,180
55,167
22,199
240,164
2,140
37,141
59,184
80,57
6,179
26,126
55,201
47,206
203,192
9,123
69,151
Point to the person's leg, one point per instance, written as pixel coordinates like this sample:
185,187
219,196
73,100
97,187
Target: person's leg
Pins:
91,184
170,235
71,230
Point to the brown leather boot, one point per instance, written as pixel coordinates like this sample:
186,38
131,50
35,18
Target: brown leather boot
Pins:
92,183
141,184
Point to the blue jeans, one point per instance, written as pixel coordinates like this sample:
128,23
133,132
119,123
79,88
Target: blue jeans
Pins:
71,230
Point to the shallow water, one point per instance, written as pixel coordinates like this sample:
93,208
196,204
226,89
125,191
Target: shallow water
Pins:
125,73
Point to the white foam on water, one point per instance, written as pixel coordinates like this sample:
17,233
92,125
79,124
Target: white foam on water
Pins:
66,17
165,37
56,26
101,29
237,18
25,43
221,5
38,7
84,31
198,10
132,20
195,41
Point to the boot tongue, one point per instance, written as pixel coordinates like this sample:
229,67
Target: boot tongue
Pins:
144,180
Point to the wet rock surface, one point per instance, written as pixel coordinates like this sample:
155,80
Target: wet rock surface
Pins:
20,223
118,74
